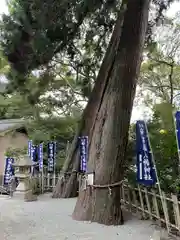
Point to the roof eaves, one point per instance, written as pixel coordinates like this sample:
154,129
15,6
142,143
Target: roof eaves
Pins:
11,129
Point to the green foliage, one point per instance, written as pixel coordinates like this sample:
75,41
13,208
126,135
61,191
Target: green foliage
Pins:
78,29
4,66
160,72
14,107
15,152
61,130
31,39
164,145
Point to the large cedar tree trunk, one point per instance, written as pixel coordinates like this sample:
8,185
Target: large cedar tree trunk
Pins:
107,152
68,187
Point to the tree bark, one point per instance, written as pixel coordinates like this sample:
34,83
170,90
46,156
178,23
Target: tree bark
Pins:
68,187
107,153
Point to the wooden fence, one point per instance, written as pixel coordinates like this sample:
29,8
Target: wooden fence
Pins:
46,182
148,203
165,209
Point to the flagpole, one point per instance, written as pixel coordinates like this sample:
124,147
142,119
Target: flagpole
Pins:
157,178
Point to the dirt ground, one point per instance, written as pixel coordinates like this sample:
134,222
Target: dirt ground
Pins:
50,219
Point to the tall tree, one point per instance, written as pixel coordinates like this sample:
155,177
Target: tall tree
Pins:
69,188
107,153
32,40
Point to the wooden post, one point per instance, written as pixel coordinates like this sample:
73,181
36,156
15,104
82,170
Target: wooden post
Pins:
48,181
129,199
135,199
148,204
54,180
141,202
79,178
155,205
176,211
42,181
123,195
165,210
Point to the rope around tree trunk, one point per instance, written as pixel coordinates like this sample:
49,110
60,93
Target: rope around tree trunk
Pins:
110,185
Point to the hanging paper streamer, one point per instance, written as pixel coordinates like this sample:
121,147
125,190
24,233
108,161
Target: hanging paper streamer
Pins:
177,125
51,156
146,173
40,157
29,147
9,171
83,144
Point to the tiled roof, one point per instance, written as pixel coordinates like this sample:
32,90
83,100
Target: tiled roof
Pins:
9,124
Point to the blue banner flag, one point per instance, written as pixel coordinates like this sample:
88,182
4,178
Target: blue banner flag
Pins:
146,173
9,171
51,156
29,147
40,157
33,152
83,146
177,125
55,149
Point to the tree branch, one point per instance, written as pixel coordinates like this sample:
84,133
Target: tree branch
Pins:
171,84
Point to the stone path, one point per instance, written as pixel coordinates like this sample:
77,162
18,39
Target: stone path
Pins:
50,219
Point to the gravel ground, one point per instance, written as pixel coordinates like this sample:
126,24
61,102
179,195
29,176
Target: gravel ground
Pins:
50,219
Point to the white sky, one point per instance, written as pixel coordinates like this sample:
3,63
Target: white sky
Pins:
138,112
3,7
